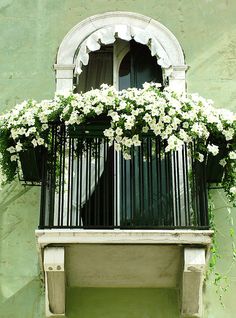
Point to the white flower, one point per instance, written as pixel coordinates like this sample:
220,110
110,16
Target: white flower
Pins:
34,142
109,133
166,119
86,109
14,133
136,141
129,125
127,142
229,134
183,135
145,129
223,162
119,131
118,139
99,109
114,115
21,131
213,149
122,105
200,157
147,118
74,103
174,143
45,126
14,158
232,154
233,190
40,141
117,147
18,146
30,131
185,124
127,156
157,130
11,149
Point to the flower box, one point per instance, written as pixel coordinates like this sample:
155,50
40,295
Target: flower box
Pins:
214,171
31,164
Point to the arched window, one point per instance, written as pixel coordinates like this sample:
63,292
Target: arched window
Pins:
123,64
105,29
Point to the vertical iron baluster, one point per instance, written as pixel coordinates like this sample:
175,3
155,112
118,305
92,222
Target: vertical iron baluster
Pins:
72,182
53,176
178,188
95,154
68,184
87,215
176,212
63,175
151,181
170,190
184,185
105,194
124,181
162,212
140,165
80,159
187,184
60,175
99,189
89,179
77,176
42,220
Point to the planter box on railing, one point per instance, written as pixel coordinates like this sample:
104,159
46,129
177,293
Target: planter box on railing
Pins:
214,171
31,164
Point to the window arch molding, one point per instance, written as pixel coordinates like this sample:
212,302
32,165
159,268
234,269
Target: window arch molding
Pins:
89,34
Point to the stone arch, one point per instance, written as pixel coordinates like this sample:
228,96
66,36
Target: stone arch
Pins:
89,34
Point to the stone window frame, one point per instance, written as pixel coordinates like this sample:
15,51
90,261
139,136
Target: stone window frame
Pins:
89,34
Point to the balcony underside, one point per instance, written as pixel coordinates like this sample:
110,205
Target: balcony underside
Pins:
123,258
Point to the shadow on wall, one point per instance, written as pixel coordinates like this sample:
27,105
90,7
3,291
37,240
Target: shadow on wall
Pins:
27,302
122,303
20,291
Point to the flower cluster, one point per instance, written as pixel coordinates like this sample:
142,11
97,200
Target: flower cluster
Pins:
176,119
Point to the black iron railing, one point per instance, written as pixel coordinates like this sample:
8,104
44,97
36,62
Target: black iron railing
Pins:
86,184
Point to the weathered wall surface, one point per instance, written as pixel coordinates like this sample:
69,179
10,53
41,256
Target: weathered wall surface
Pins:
30,33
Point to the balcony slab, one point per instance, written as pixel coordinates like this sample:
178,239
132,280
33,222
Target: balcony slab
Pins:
81,236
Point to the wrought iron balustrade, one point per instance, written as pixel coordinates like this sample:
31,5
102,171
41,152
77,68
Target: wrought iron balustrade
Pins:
86,184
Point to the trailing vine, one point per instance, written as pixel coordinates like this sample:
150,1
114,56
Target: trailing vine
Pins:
220,280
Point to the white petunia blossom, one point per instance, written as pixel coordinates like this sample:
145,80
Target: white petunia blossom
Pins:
109,133
233,190
136,141
200,157
19,146
11,149
119,131
232,154
223,162
34,142
127,156
213,149
117,146
13,157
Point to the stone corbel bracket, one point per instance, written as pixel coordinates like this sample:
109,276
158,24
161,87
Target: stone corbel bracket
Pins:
54,269
192,281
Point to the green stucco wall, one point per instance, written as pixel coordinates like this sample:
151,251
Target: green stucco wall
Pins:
30,34
119,302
